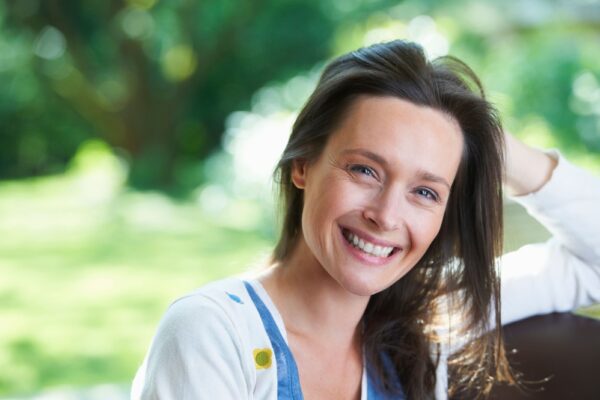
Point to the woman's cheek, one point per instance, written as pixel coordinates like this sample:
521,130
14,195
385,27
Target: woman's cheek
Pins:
429,230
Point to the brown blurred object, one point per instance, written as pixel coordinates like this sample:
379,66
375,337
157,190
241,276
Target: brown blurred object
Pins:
562,347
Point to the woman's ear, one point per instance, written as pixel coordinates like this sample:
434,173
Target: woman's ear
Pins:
299,167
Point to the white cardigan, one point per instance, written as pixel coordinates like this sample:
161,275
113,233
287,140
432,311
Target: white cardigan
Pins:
209,341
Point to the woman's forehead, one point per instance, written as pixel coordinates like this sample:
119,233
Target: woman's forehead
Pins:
394,128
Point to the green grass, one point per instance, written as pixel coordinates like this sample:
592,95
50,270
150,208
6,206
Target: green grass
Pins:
86,276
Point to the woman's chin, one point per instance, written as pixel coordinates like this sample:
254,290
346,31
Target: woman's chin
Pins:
360,287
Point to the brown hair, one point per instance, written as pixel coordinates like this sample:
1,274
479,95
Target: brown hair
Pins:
461,259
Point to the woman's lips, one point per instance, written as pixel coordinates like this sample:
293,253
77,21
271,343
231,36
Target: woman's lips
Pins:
370,250
371,239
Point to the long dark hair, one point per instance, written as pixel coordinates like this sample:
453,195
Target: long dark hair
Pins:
460,263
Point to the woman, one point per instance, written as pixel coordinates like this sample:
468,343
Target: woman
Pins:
385,275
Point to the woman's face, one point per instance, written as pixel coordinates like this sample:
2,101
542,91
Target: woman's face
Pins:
375,198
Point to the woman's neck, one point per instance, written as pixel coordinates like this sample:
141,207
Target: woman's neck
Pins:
311,303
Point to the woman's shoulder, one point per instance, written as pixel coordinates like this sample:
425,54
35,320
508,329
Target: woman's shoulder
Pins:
220,315
223,291
207,339
225,301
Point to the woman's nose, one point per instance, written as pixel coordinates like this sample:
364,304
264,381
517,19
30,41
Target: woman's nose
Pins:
386,211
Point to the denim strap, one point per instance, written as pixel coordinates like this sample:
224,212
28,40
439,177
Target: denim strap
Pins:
288,382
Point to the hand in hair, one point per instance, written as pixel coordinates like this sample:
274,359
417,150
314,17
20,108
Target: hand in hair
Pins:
526,169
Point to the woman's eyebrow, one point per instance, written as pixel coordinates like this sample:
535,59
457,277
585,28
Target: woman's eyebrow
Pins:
366,153
428,176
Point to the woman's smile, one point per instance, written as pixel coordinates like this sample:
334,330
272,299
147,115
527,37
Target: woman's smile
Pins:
367,249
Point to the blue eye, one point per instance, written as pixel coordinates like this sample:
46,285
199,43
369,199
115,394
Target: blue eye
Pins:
362,169
428,194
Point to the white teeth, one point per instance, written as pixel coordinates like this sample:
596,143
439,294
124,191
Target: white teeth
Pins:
377,250
367,247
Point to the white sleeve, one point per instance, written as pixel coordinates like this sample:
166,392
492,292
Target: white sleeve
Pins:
564,272
196,354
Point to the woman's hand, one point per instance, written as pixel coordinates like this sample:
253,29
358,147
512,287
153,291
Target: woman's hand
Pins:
526,169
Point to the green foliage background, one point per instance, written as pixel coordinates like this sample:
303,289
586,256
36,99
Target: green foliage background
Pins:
114,117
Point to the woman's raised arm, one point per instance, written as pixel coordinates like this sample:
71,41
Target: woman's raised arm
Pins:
564,272
527,169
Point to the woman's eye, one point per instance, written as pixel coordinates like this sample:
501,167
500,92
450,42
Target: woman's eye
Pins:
428,194
362,169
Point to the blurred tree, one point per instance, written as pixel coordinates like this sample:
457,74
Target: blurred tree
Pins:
154,79
543,57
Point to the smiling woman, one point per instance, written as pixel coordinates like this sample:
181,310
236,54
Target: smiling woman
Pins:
391,192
